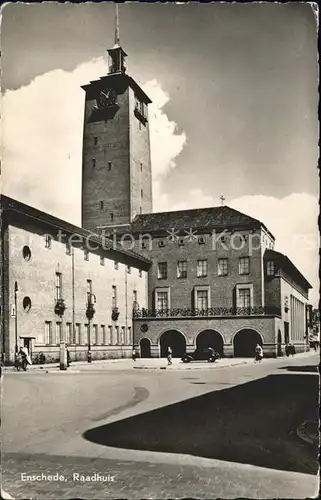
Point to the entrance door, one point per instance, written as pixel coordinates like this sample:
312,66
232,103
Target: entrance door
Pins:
145,348
27,343
280,353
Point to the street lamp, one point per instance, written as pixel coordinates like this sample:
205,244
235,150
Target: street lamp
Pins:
16,291
90,314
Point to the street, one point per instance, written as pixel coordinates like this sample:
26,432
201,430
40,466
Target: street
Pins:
199,433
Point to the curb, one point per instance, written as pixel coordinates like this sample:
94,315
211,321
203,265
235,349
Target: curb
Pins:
205,366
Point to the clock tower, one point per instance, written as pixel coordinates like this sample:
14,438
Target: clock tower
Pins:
116,165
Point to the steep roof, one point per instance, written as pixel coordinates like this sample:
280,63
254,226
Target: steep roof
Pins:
200,218
13,211
287,265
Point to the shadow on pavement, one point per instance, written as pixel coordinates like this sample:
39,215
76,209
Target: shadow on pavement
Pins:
305,368
253,423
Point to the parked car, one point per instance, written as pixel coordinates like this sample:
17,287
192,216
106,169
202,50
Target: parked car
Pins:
201,355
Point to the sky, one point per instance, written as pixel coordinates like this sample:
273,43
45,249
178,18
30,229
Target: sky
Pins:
234,90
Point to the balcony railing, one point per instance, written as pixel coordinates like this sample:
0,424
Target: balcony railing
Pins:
210,312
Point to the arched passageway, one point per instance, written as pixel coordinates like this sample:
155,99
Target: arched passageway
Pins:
244,343
206,339
175,340
280,353
145,348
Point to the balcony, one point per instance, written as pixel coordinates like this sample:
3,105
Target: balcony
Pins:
211,312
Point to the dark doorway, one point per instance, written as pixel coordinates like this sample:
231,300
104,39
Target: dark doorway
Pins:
174,339
27,344
280,353
244,343
145,348
209,338
286,332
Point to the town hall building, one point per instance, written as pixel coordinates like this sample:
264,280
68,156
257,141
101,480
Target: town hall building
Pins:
188,279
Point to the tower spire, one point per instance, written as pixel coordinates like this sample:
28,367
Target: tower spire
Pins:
117,44
117,54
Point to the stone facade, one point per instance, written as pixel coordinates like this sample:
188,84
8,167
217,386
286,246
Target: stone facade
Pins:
98,269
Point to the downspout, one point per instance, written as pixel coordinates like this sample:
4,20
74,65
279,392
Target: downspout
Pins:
73,297
126,303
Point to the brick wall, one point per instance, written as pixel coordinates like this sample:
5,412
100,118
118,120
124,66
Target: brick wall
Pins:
99,183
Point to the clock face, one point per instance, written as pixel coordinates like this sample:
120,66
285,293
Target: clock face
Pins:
107,97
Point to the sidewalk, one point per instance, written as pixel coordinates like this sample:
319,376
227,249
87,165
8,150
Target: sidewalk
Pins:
148,364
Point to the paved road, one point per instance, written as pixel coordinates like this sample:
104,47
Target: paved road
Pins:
45,415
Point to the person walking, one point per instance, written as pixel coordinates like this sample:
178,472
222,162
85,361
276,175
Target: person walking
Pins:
258,353
68,358
169,355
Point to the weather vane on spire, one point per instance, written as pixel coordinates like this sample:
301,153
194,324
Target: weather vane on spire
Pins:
222,198
117,54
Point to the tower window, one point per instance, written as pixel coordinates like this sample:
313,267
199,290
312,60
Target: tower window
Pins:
109,165
101,205
141,165
111,216
140,210
94,162
142,193
95,141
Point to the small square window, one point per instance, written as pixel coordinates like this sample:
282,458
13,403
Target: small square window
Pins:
116,265
181,242
129,269
201,240
94,162
161,243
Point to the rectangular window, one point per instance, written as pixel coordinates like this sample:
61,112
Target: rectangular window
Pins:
68,249
111,217
162,270
78,334
86,334
86,254
140,273
58,286
129,335
48,239
94,162
116,265
111,340
182,269
129,269
244,297
103,335
73,334
141,166
109,165
162,301
140,210
48,333
142,193
135,296
102,260
89,289
68,333
270,268
117,335
95,141
222,267
202,299
123,340
244,265
114,297
95,335
58,338
101,205
202,268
